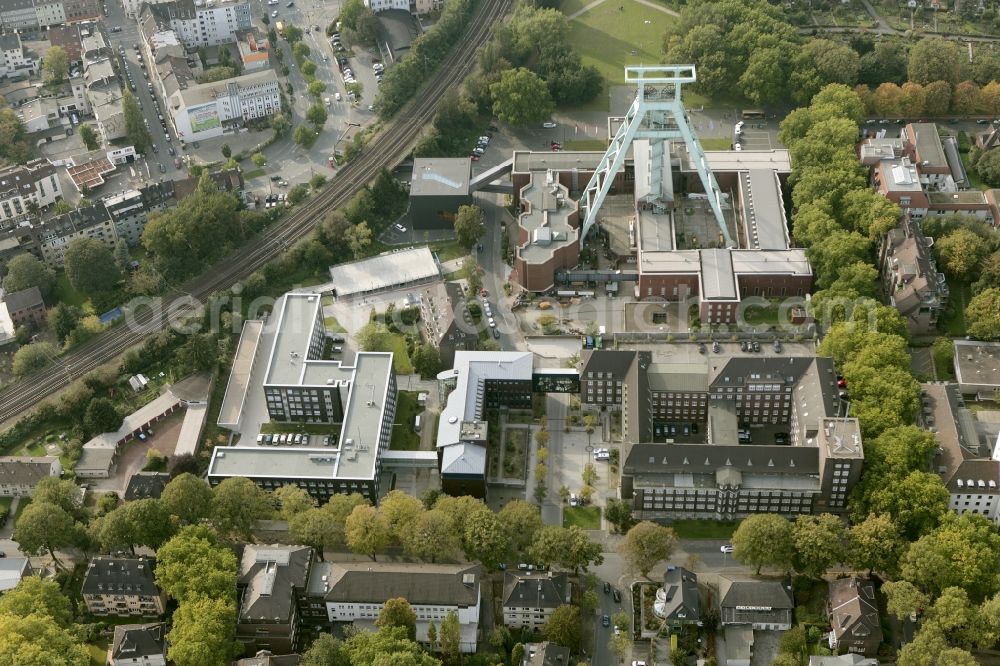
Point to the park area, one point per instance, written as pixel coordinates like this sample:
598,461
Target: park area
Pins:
616,33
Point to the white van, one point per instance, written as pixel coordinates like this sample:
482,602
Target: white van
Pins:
416,423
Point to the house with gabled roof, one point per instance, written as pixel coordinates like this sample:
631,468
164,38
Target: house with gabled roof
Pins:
854,618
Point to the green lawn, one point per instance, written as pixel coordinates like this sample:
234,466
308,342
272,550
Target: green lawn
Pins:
32,448
64,293
5,503
332,325
404,437
400,359
98,653
256,173
952,320
609,39
584,517
704,529
716,143
449,250
974,180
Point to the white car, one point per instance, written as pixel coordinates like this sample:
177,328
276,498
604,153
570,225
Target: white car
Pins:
400,228
727,549
549,125
274,14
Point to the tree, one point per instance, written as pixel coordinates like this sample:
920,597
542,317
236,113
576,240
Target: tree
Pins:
90,137
316,89
187,497
258,159
989,97
485,540
43,527
914,97
367,531
820,541
888,100
522,520
358,238
194,564
564,627
470,273
63,319
521,97
450,637
988,167
35,595
91,267
835,62
569,547
36,640
25,271
646,544
960,552
33,357
470,225
201,632
219,73
62,492
238,503
982,315
938,98
619,514
875,544
316,114
135,126
102,416
318,528
148,522
589,472
965,99
903,599
764,540
431,537
387,646
305,136
933,59
400,511
426,361
398,613
961,252
292,501
325,651
55,66
916,502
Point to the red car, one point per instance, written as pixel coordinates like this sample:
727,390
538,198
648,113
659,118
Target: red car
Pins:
841,382
483,292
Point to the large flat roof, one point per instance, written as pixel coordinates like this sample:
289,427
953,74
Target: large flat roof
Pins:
776,159
441,176
471,369
763,210
239,377
547,218
977,363
291,339
928,144
529,160
384,271
717,278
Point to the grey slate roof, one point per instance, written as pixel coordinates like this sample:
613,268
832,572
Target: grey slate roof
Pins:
537,590
24,299
146,485
24,470
425,584
135,641
776,594
545,654
689,458
120,575
9,40
271,574
609,360
854,610
265,658
680,596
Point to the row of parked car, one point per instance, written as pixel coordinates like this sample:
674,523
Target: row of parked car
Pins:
273,200
296,439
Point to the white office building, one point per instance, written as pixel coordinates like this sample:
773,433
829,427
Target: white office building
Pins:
203,111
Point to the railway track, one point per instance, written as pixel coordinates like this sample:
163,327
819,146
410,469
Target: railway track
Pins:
387,148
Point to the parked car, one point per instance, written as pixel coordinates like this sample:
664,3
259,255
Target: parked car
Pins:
727,549
549,125
400,228
605,620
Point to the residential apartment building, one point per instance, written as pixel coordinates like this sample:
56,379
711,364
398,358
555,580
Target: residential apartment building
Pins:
911,282
78,11
26,15
14,58
25,188
412,6
20,474
545,654
447,322
25,307
272,580
139,645
206,110
196,24
18,15
530,598
967,455
55,236
854,618
734,433
300,386
104,95
477,382
122,587
759,604
357,591
130,209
